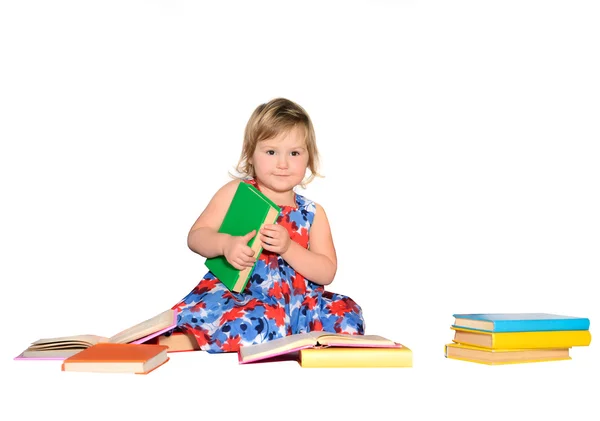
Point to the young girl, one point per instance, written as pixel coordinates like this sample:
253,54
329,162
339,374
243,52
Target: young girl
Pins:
285,294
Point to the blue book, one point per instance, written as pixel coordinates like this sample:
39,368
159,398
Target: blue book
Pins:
520,322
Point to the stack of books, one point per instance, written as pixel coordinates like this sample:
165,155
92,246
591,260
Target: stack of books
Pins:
510,338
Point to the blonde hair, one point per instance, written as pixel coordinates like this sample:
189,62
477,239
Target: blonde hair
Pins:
267,121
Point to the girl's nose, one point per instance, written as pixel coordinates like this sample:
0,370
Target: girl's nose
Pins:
282,162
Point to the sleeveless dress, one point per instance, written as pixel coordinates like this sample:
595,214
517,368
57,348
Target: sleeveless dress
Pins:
276,302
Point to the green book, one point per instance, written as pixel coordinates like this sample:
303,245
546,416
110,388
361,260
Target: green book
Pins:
249,210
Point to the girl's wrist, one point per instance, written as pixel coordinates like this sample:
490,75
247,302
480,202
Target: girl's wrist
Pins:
287,250
224,240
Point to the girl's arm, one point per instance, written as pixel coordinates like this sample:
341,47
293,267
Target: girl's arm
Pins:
319,262
205,239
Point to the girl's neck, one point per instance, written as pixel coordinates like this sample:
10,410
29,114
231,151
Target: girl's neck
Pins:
286,198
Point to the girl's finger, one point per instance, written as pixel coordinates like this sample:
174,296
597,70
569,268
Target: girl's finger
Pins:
266,239
248,251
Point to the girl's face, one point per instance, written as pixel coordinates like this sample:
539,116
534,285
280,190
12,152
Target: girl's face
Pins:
280,162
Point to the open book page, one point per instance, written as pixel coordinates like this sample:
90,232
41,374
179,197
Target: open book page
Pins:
339,339
311,339
51,354
278,346
82,341
147,329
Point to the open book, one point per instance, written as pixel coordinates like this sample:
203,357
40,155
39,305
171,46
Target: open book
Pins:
66,346
316,339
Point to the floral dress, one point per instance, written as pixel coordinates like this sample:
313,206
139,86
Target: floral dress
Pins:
276,302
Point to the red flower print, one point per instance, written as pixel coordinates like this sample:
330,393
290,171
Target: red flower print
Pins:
285,290
232,314
200,334
179,307
273,263
339,308
252,304
301,237
316,325
232,344
299,284
275,291
275,313
310,302
205,285
198,306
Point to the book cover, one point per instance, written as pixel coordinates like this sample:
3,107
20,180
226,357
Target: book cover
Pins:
520,322
344,357
249,210
297,342
515,340
503,356
66,346
117,358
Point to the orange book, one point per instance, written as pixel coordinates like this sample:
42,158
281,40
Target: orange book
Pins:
117,358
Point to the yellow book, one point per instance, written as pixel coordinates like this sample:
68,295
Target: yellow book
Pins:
521,340
336,357
504,356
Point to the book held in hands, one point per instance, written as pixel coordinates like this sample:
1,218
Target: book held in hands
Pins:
248,211
66,346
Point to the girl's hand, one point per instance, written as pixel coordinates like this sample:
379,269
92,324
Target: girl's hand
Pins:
237,252
275,238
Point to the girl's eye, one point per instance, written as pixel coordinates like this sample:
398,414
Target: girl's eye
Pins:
271,152
295,153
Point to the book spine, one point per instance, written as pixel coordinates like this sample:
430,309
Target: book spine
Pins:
244,275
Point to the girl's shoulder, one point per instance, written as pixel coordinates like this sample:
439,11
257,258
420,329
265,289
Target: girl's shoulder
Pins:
226,192
230,186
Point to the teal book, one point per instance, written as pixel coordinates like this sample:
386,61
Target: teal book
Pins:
520,322
249,210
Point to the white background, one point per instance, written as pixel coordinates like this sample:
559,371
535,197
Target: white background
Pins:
459,144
